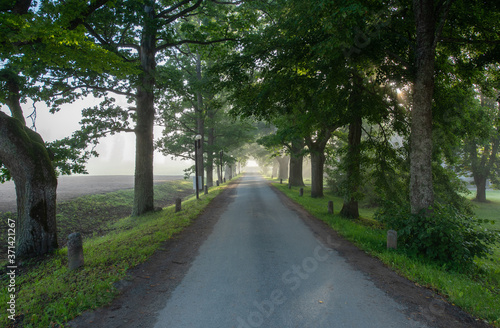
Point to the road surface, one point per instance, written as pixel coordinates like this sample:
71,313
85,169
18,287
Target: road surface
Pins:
262,267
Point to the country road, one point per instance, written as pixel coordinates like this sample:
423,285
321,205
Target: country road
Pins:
254,258
263,267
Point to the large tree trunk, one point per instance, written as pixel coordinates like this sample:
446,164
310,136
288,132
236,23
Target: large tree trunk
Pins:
421,188
143,184
283,167
296,160
350,208
23,152
480,182
317,167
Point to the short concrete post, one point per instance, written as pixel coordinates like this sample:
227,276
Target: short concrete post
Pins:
75,251
178,205
206,189
301,192
330,207
392,239
217,183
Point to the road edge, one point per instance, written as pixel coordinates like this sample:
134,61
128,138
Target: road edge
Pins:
148,286
423,304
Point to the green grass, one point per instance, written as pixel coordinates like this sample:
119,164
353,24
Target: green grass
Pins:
491,209
477,293
50,295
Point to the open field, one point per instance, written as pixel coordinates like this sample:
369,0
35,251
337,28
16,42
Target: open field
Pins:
69,187
93,214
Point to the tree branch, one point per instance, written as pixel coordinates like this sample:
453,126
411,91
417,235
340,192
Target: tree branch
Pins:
86,13
171,9
129,45
86,86
182,13
178,43
468,41
439,30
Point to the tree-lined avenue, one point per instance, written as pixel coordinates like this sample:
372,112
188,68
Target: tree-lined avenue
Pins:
263,267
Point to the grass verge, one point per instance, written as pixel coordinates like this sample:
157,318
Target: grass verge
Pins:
477,293
48,294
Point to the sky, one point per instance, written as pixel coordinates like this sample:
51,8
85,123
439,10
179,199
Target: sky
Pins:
116,153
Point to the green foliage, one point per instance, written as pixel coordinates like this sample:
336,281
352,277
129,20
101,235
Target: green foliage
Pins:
447,236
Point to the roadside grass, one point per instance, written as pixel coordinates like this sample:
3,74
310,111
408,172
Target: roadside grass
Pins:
48,294
478,293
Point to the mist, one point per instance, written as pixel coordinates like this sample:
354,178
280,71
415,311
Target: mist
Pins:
116,152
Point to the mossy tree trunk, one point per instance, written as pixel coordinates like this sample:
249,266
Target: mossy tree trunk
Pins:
24,154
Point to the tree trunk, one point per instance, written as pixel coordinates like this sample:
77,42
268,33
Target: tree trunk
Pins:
317,167
219,173
421,188
317,152
275,168
200,121
228,172
143,184
296,160
350,207
283,167
480,182
24,154
13,100
210,168
210,153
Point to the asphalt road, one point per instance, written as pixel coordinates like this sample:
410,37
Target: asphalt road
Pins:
263,267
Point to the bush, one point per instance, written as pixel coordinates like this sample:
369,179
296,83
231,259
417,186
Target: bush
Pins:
447,236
